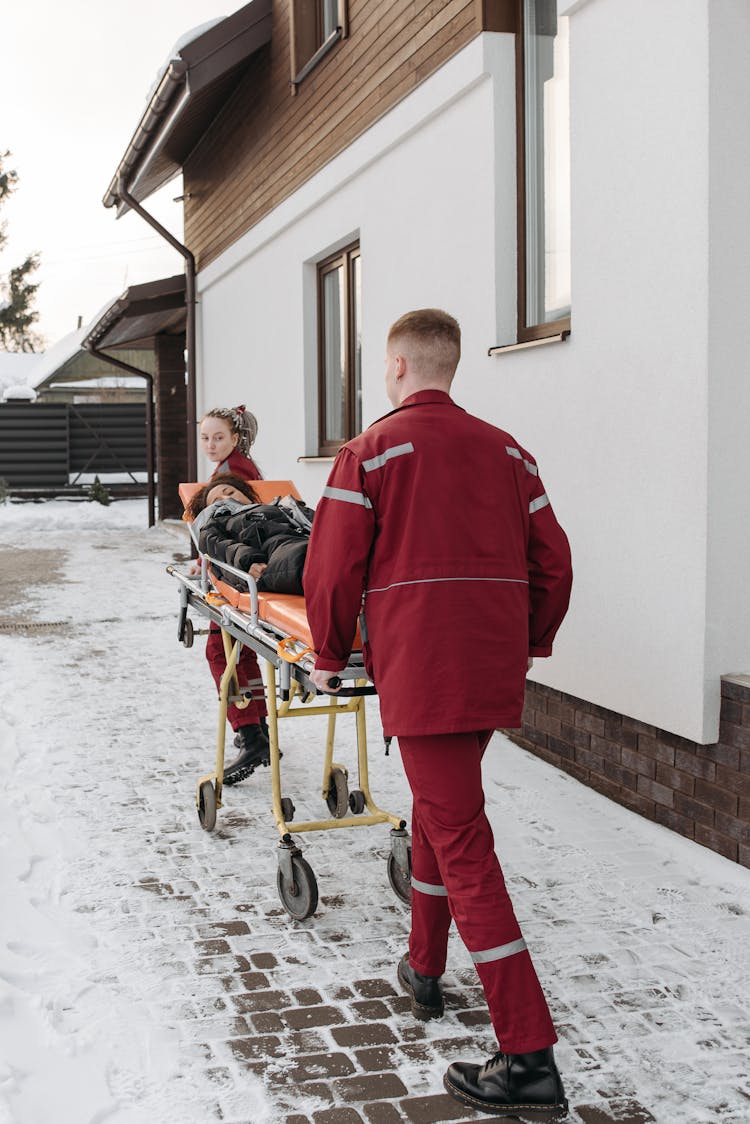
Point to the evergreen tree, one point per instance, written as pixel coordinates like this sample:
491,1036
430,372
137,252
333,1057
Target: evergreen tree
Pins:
17,291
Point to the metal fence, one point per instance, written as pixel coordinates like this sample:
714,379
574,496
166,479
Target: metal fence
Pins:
51,447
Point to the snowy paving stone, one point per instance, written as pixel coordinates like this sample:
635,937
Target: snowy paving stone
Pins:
249,1002
376,1058
383,1113
370,1009
311,1067
300,1018
623,1112
369,1034
474,1018
267,1022
370,1086
433,1110
642,938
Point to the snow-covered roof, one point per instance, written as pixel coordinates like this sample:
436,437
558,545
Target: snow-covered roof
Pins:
57,357
201,71
20,393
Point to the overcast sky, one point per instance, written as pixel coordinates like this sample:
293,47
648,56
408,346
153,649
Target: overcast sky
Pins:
74,76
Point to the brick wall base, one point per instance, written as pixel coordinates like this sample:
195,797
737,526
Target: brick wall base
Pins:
700,791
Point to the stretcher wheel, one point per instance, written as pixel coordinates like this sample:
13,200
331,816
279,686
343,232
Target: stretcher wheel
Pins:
188,633
357,801
400,883
300,897
207,806
287,809
338,793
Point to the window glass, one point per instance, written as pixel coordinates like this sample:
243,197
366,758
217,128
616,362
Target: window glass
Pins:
547,164
357,327
334,308
340,349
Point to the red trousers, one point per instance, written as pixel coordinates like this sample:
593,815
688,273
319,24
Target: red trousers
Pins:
456,874
248,675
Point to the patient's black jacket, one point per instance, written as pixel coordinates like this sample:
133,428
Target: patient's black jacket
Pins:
242,535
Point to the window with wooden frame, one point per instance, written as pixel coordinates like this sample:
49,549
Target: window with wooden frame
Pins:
316,27
339,349
543,138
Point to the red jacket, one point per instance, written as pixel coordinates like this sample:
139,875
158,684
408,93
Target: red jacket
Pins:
240,465
441,521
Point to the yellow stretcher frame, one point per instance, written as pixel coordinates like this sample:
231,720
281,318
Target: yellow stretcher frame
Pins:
290,694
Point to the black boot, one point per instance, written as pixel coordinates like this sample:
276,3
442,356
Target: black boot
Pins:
426,996
239,740
254,751
526,1086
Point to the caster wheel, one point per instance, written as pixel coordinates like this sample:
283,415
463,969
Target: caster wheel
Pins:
207,806
338,793
357,801
287,809
400,883
187,633
300,898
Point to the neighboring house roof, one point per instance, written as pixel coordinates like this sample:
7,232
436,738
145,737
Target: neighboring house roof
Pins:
203,69
67,362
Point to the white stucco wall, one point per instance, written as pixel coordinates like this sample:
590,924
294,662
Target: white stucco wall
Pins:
618,415
418,190
728,616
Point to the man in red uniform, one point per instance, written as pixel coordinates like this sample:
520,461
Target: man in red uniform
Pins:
435,525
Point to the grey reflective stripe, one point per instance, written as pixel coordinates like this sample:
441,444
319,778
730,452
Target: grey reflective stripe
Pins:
517,453
394,451
428,888
500,952
346,496
433,581
540,501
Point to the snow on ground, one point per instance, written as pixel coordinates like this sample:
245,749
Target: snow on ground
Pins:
641,938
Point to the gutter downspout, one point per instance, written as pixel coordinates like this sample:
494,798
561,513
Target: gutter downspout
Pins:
190,326
149,420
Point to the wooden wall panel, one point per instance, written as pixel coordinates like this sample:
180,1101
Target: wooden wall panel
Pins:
268,140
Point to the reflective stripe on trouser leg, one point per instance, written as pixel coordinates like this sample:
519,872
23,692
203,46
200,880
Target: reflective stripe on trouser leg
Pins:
248,672
444,773
430,912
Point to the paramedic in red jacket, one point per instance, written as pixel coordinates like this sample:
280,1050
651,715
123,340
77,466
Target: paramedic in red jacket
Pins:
441,523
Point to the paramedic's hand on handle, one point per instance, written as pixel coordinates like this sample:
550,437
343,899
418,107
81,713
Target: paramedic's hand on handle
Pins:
321,680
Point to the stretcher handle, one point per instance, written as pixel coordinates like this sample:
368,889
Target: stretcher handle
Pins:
350,692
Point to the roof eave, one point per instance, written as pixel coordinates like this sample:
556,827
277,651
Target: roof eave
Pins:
152,120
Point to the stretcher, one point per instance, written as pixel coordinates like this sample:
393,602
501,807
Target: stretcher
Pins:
275,627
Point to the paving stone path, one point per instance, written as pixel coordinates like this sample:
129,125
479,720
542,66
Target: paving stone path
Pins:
215,1006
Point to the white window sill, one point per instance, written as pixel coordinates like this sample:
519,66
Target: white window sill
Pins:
503,349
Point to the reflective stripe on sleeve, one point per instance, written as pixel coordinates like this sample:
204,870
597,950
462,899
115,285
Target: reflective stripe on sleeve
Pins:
539,502
389,454
428,888
500,952
527,464
346,496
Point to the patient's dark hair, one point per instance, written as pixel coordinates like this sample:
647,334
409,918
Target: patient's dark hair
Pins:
198,502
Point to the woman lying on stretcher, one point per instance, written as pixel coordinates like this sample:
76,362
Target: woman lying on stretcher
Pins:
267,541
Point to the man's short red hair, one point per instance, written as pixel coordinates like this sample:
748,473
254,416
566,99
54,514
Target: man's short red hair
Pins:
434,334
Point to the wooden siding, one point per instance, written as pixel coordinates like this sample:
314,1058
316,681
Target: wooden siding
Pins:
268,140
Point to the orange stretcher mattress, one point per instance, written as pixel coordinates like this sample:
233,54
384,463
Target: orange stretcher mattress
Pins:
284,611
